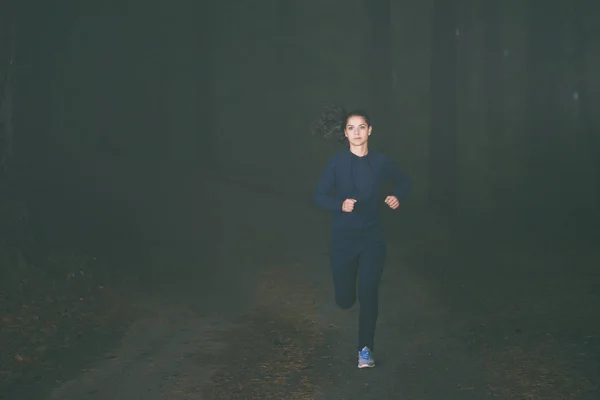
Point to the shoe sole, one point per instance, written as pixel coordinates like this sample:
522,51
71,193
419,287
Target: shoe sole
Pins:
366,366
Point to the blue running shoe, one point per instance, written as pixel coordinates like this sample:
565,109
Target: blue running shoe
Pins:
365,358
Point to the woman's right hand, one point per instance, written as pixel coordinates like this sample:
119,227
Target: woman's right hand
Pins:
348,205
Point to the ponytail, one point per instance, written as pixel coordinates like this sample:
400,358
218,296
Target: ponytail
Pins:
332,122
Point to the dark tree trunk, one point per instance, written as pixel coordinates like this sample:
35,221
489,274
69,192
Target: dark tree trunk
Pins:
542,115
585,14
286,30
17,236
207,13
495,96
535,95
7,67
282,99
442,150
380,67
285,55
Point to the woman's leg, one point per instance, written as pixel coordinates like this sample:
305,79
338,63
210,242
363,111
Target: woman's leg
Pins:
371,263
344,269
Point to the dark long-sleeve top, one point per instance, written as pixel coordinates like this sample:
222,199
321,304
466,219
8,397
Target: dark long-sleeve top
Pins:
348,176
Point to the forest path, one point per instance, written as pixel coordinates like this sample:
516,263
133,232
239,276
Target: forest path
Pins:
253,317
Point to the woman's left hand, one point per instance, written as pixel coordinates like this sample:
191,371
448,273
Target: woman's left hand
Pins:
392,202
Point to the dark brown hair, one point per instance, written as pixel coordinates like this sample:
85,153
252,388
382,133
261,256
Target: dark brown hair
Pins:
332,122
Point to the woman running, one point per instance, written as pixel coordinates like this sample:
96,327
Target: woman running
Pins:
358,248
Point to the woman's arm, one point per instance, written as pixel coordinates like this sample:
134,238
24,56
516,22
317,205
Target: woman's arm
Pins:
322,197
398,179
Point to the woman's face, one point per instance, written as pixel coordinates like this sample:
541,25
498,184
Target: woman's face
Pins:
357,130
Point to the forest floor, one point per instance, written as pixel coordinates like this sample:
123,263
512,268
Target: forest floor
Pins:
464,315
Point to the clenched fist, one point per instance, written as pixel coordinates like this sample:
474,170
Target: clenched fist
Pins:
348,205
392,202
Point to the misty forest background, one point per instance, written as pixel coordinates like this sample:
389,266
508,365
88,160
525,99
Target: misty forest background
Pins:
118,119
489,106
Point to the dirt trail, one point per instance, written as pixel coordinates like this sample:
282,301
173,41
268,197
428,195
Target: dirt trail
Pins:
265,327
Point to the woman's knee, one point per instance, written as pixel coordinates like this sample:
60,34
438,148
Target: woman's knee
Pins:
345,302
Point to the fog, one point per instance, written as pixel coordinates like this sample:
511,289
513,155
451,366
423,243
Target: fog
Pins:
171,144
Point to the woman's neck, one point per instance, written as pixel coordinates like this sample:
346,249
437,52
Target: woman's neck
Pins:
359,151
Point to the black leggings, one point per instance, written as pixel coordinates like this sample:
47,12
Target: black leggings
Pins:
363,259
